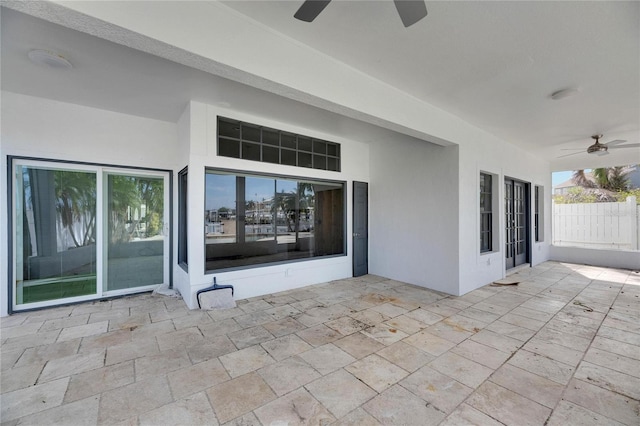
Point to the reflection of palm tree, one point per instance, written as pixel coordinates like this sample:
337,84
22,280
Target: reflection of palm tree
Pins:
76,203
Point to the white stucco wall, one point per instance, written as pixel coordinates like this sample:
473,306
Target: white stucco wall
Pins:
36,127
265,279
414,213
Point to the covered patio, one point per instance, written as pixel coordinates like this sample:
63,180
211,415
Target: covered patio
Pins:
560,347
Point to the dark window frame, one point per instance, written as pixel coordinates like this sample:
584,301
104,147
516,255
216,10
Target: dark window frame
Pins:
236,138
486,212
538,212
183,230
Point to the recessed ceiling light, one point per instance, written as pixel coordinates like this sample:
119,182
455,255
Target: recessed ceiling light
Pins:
564,93
49,59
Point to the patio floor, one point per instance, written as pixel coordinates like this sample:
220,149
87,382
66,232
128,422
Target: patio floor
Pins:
560,348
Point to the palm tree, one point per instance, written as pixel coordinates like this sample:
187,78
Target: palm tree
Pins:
604,182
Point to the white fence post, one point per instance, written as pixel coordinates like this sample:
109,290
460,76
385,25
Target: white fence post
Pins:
634,222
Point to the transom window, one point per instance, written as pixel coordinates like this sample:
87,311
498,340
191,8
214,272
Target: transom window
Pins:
237,139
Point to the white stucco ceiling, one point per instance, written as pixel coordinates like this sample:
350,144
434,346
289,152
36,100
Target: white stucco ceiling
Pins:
493,64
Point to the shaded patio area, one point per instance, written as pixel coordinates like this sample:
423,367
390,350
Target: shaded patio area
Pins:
561,347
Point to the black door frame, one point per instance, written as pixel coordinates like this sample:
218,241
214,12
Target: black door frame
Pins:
360,223
510,244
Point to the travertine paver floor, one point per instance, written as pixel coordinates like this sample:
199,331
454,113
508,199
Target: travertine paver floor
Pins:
560,348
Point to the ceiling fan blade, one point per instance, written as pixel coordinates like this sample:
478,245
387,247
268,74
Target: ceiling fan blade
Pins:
602,153
573,153
310,10
571,149
631,145
616,142
411,11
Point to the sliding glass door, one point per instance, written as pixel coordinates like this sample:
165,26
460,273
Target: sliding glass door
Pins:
81,232
135,231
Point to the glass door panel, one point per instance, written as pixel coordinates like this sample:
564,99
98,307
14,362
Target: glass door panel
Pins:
135,222
55,234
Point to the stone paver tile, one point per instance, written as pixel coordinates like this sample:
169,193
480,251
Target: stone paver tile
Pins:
180,338
319,335
287,375
563,339
346,325
633,327
398,406
132,350
370,317
223,314
104,340
357,417
479,315
390,310
491,308
74,364
29,341
424,316
110,315
58,323
239,396
253,319
557,352
616,347
521,321
497,341
161,364
219,328
340,392
482,354
532,314
384,334
358,345
543,304
82,412
250,336
9,359
580,330
529,385
436,388
192,410
151,331
192,319
41,354
567,413
406,324
508,407
15,320
405,356
248,419
94,382
542,366
246,360
429,343
448,331
619,335
283,327
327,358
32,400
602,401
258,305
19,377
376,372
213,348
198,377
613,361
286,346
442,309
467,415
134,399
71,333
615,381
280,312
464,370
510,330
296,408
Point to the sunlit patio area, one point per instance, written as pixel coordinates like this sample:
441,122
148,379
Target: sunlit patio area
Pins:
560,347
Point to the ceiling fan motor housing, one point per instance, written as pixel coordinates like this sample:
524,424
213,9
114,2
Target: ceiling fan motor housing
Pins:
597,147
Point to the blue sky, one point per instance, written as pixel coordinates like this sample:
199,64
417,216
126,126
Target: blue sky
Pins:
559,177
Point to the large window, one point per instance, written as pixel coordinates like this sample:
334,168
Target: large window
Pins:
538,213
183,201
237,139
252,219
486,213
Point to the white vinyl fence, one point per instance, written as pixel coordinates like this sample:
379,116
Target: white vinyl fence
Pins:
612,226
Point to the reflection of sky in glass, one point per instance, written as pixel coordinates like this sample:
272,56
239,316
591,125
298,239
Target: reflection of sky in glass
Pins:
259,189
286,186
220,191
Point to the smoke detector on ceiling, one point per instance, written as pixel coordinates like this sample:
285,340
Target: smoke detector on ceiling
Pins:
49,59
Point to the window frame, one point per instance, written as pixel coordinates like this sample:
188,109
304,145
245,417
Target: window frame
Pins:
183,219
320,154
240,191
486,216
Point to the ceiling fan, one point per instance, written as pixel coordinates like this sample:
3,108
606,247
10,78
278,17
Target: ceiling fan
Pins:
600,148
410,11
